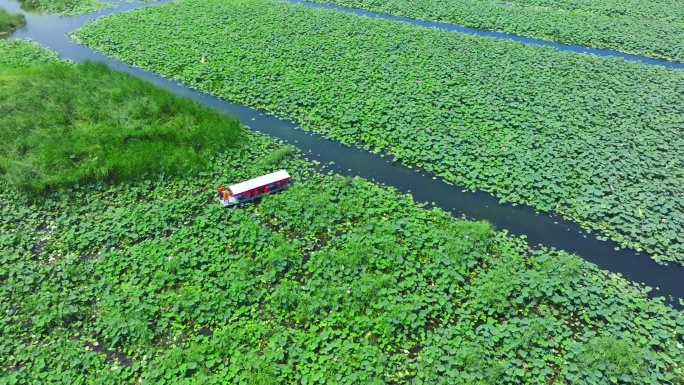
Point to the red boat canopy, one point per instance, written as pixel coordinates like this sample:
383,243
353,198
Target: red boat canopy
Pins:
261,181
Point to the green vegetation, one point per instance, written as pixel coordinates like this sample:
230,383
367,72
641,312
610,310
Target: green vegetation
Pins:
65,124
10,21
595,139
334,280
67,7
22,53
648,28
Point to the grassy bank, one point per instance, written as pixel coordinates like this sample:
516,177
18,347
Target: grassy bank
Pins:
334,280
597,140
66,7
10,21
647,28
66,124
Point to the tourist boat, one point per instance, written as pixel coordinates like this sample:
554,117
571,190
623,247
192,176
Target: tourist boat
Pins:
254,188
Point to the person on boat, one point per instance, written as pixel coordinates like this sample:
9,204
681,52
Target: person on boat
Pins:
220,192
225,195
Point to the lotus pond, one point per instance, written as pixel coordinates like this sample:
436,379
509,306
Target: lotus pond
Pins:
335,280
647,28
595,139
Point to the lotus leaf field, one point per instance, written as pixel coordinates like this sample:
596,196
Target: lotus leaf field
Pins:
66,7
595,139
22,53
334,280
648,28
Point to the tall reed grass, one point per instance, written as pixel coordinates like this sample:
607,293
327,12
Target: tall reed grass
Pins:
10,21
63,124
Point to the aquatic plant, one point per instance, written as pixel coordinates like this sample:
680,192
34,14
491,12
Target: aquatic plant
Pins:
647,28
334,280
22,53
595,139
66,7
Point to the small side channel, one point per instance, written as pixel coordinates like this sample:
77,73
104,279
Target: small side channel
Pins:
498,35
546,229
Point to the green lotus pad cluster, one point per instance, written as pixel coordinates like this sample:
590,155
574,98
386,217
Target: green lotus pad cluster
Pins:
595,139
65,124
10,21
648,28
22,53
66,7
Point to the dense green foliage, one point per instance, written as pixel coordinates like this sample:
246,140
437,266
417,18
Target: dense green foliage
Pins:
66,7
334,280
10,21
65,124
22,53
649,28
596,139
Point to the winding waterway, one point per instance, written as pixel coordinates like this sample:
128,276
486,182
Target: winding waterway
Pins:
498,35
549,230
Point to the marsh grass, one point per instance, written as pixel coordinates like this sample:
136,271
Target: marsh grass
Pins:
614,358
275,158
65,124
10,21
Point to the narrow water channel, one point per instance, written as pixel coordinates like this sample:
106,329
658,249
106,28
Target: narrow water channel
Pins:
498,35
549,230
